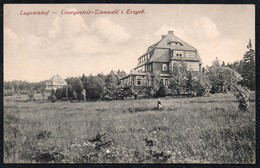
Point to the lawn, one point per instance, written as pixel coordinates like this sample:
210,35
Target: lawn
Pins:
187,130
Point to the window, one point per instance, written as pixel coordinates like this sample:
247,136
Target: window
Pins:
165,81
138,81
149,67
178,53
193,66
190,54
175,43
164,68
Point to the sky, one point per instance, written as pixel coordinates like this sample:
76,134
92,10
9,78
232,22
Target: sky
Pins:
36,47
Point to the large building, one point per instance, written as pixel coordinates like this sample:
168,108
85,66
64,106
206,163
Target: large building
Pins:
161,57
55,82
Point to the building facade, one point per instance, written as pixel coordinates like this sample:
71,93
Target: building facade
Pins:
161,57
55,82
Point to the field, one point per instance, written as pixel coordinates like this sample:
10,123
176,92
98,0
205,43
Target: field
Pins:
187,130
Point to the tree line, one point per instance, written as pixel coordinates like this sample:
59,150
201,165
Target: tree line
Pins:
219,77
93,87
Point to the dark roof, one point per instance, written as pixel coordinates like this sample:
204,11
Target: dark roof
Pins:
161,50
166,43
160,55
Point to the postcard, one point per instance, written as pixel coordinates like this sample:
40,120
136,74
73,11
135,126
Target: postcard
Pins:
129,83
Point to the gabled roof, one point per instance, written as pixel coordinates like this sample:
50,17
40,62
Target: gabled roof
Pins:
166,43
56,80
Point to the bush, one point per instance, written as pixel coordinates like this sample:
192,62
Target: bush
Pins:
60,93
164,91
198,88
154,152
8,93
31,95
242,97
52,97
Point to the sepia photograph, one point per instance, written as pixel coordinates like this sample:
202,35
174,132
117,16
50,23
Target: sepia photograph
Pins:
129,83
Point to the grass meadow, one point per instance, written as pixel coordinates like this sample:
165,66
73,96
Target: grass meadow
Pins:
187,130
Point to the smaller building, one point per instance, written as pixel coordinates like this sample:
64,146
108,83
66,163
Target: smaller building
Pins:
55,82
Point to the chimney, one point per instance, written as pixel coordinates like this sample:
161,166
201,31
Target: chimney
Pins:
171,32
163,36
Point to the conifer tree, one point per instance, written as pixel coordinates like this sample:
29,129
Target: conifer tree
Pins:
248,70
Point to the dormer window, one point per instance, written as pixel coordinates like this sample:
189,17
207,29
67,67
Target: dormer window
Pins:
175,43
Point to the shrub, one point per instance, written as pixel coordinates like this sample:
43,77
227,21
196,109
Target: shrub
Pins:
60,93
48,154
31,95
44,135
100,141
161,92
154,152
242,97
52,97
8,93
164,91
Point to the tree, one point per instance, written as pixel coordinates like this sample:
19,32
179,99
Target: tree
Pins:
201,85
189,83
70,92
222,78
31,95
248,72
163,91
52,97
95,87
198,85
156,81
61,93
121,73
7,85
78,87
178,77
223,64
112,81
